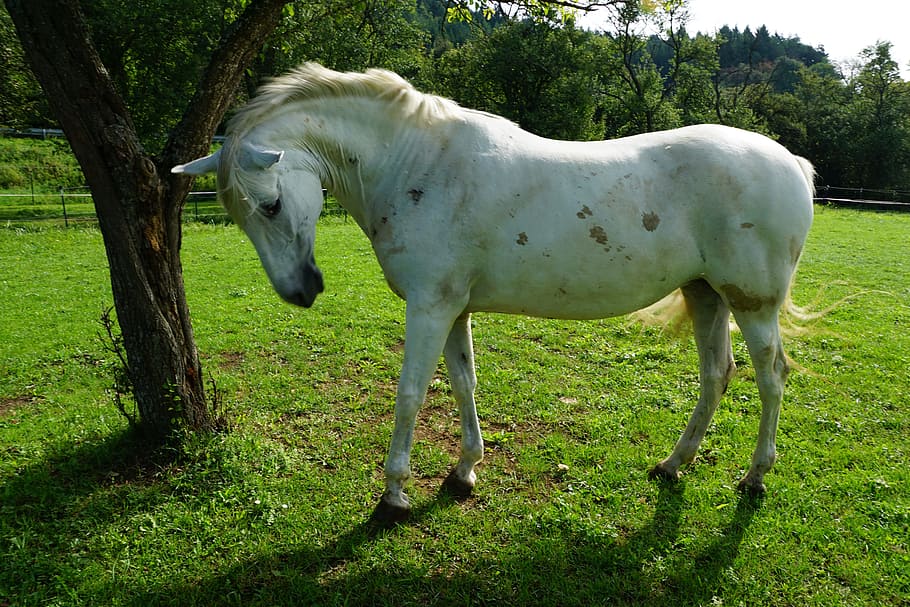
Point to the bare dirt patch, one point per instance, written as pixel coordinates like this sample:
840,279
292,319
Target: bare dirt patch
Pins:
8,406
231,360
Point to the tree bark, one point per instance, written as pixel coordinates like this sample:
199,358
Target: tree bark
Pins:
137,201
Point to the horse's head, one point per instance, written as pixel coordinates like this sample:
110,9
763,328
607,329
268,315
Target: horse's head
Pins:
276,199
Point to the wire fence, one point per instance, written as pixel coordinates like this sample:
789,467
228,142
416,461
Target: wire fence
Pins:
863,198
70,206
73,205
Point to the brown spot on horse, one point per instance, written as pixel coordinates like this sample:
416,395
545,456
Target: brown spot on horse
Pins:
650,221
599,235
584,212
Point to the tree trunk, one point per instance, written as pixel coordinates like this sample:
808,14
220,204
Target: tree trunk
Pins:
137,201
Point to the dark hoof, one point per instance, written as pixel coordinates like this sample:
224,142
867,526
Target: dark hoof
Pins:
456,488
751,488
388,515
660,473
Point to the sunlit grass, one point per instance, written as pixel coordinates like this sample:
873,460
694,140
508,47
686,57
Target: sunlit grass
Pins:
274,512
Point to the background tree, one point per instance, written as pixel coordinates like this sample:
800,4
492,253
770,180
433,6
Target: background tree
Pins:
346,36
634,86
155,52
22,102
879,117
824,103
445,33
541,76
686,63
137,200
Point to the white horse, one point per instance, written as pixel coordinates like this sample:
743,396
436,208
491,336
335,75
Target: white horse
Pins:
466,212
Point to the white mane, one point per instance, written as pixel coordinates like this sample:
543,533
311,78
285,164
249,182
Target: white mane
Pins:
312,81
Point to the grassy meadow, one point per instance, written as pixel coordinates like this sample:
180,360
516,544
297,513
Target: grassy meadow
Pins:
275,511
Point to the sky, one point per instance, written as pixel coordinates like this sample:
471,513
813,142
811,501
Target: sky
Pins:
843,28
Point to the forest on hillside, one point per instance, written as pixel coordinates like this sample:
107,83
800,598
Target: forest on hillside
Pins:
538,69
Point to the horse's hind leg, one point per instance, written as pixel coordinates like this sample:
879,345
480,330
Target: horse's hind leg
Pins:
762,334
711,321
459,357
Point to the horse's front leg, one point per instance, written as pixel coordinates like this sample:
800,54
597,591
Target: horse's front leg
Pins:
427,327
459,355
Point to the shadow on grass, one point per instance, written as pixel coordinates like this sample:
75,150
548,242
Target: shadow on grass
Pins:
541,560
84,483
557,564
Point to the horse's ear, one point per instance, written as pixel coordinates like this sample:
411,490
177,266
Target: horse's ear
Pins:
259,159
200,166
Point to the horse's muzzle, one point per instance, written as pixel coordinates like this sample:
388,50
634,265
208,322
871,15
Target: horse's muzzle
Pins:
309,285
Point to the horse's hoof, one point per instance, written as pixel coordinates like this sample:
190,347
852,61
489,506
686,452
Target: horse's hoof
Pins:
388,515
751,487
662,473
456,487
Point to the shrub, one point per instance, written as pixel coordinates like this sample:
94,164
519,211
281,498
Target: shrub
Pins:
49,164
11,177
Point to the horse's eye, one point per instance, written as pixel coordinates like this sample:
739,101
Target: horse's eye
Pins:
272,209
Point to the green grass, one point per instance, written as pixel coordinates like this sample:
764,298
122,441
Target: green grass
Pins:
274,512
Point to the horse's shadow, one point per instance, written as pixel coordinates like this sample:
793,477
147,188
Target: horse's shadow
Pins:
590,569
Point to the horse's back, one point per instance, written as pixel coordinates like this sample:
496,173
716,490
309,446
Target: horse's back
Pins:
708,174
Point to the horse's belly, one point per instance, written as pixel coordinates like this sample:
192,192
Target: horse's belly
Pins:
558,307
586,289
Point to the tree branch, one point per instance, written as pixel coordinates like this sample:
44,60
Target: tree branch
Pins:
240,44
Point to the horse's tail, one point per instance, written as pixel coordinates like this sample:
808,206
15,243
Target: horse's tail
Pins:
671,313
793,318
808,172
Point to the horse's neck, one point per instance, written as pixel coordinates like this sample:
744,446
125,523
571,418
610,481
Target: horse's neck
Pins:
357,148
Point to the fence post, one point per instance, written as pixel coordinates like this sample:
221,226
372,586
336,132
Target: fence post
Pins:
66,222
